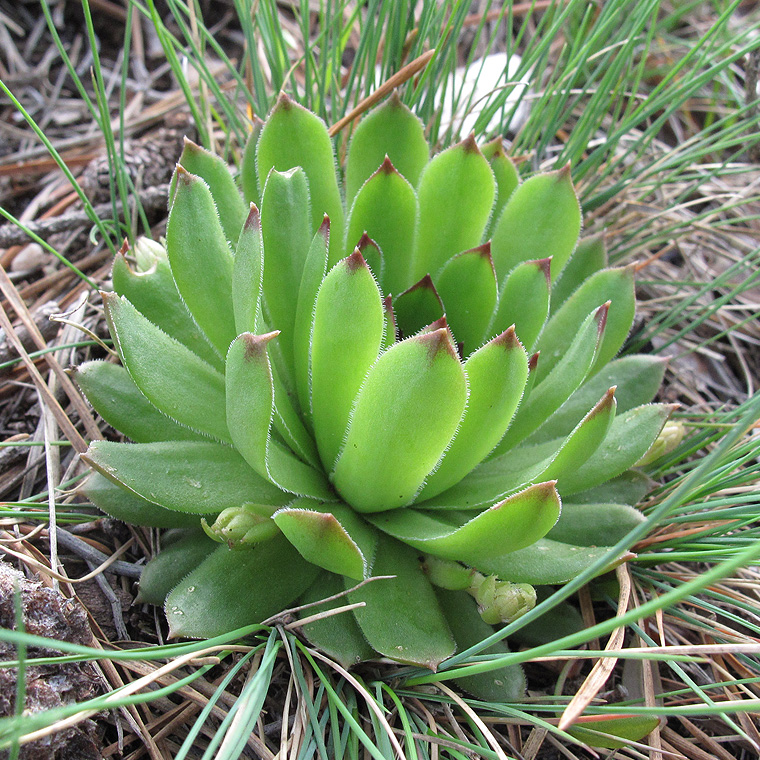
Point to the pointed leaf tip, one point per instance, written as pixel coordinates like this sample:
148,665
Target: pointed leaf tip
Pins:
601,316
564,173
437,341
546,266
366,241
253,220
183,175
426,283
284,102
533,362
386,167
469,144
355,261
255,345
324,228
508,339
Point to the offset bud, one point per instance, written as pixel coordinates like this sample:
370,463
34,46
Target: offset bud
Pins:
147,253
241,527
668,439
501,601
446,573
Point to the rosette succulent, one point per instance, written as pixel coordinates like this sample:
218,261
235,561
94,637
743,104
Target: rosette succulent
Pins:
412,375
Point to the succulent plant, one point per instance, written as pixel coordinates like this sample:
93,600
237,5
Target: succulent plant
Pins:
414,376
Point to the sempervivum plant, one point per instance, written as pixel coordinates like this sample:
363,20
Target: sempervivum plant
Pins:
413,376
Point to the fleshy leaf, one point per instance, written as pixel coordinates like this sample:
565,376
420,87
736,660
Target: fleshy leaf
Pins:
613,285
630,437
582,443
201,259
636,379
322,533
338,636
621,731
115,397
247,275
506,174
248,172
456,193
175,560
187,476
372,254
214,171
128,507
628,488
293,136
544,562
170,375
416,307
542,219
402,618
389,130
287,235
386,210
588,258
547,396
467,286
594,524
524,301
496,373
347,334
154,294
404,417
231,589
313,274
512,524
505,684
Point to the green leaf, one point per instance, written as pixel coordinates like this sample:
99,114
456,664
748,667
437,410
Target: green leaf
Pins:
497,373
544,562
467,286
214,171
187,476
386,210
393,131
588,258
170,375
456,194
247,274
201,259
548,395
248,174
323,534
594,524
506,174
346,338
154,294
372,254
631,728
582,443
417,307
338,636
231,589
287,235
405,415
115,397
293,136
505,684
628,488
402,619
524,301
542,219
613,285
507,526
636,379
314,270
630,437
250,398
175,560
129,508
250,409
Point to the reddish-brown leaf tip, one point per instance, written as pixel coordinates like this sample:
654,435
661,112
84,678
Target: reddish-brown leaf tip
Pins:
253,220
324,228
284,102
533,361
546,266
124,247
365,241
355,261
563,175
256,345
183,175
601,317
395,99
436,342
508,340
469,145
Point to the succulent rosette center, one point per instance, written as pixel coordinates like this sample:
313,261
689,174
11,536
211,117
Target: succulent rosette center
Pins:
409,374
